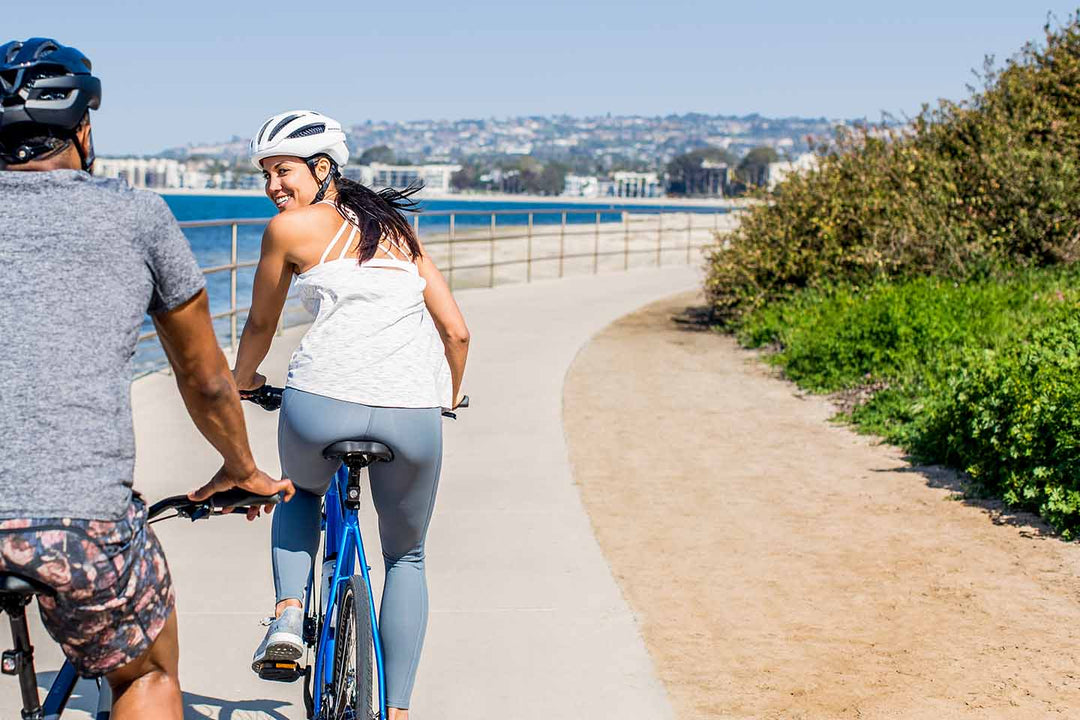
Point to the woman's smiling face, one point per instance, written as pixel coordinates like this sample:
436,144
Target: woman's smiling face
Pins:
289,182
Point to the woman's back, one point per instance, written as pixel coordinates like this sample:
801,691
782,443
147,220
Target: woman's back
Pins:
373,340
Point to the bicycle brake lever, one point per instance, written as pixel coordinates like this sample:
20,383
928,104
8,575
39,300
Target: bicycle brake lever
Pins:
201,511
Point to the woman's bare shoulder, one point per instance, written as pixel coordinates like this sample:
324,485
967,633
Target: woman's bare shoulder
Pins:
301,224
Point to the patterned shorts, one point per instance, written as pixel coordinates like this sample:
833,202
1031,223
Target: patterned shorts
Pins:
113,592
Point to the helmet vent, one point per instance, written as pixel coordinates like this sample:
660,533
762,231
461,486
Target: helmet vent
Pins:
308,131
258,138
280,125
45,48
9,81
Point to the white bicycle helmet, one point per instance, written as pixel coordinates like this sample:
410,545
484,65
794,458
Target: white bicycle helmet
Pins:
302,134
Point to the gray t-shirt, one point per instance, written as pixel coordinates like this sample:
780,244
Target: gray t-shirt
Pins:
82,260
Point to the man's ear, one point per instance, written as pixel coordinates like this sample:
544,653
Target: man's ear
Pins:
82,134
82,130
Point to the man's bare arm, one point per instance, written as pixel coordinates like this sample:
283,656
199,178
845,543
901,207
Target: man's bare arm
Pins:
207,387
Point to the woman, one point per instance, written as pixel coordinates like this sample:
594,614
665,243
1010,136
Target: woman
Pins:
386,351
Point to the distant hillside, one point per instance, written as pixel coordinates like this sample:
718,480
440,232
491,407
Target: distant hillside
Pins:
586,144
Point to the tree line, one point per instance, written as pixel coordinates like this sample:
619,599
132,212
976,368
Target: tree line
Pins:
529,175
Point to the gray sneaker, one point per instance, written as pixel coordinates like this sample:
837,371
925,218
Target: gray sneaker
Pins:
284,641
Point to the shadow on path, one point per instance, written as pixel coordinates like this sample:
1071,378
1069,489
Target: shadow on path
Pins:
233,709
1029,524
84,698
701,318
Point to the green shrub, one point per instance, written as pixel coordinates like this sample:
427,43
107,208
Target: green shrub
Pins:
1012,421
962,191
983,376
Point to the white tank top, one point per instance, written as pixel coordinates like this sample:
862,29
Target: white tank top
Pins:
373,340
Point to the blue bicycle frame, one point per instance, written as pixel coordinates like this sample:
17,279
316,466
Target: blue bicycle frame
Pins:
343,545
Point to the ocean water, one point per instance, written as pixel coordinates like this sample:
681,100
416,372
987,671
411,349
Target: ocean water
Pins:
211,245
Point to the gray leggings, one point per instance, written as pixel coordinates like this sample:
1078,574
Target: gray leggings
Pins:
404,495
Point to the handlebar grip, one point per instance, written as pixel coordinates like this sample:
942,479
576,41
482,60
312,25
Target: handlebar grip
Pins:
265,396
238,497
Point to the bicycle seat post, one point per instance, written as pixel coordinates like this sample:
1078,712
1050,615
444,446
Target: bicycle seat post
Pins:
20,661
357,455
351,501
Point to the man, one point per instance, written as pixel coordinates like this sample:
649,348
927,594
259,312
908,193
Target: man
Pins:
81,262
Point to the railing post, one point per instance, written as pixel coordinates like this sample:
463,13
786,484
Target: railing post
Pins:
562,243
596,246
689,232
232,291
450,249
528,256
491,254
659,235
626,239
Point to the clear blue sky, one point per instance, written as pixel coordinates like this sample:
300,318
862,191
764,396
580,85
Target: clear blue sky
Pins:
202,71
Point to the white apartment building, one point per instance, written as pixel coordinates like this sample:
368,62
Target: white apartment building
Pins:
634,184
582,186
142,172
435,177
777,171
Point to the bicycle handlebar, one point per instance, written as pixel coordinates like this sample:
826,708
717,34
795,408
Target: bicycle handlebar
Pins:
265,396
238,499
268,398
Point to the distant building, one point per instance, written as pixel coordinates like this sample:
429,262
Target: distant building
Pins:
435,178
777,171
167,173
634,184
142,172
710,179
582,186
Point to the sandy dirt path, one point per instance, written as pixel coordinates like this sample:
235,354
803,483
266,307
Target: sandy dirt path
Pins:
782,566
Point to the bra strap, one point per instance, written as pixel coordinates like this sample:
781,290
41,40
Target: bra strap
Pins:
333,242
348,243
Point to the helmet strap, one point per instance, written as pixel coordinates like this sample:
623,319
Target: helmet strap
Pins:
333,172
43,147
86,158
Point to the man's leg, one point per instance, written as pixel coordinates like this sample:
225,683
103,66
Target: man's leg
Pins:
149,686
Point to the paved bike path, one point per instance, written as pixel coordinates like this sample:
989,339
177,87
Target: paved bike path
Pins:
526,619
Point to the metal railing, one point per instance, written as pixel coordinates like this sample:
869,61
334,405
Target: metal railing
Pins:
475,252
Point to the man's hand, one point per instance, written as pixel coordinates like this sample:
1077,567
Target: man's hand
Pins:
257,483
202,375
254,382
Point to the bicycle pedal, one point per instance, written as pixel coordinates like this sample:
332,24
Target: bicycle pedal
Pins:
281,671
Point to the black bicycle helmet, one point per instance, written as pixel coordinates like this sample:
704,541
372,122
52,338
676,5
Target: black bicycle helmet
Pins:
44,86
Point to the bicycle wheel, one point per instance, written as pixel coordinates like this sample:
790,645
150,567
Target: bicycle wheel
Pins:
354,696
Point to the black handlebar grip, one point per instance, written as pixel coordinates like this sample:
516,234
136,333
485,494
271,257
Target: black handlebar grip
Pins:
267,397
238,497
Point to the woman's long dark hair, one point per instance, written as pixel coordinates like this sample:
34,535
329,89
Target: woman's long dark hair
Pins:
379,214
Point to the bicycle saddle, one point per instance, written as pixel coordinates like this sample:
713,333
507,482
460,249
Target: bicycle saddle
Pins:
12,584
371,450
